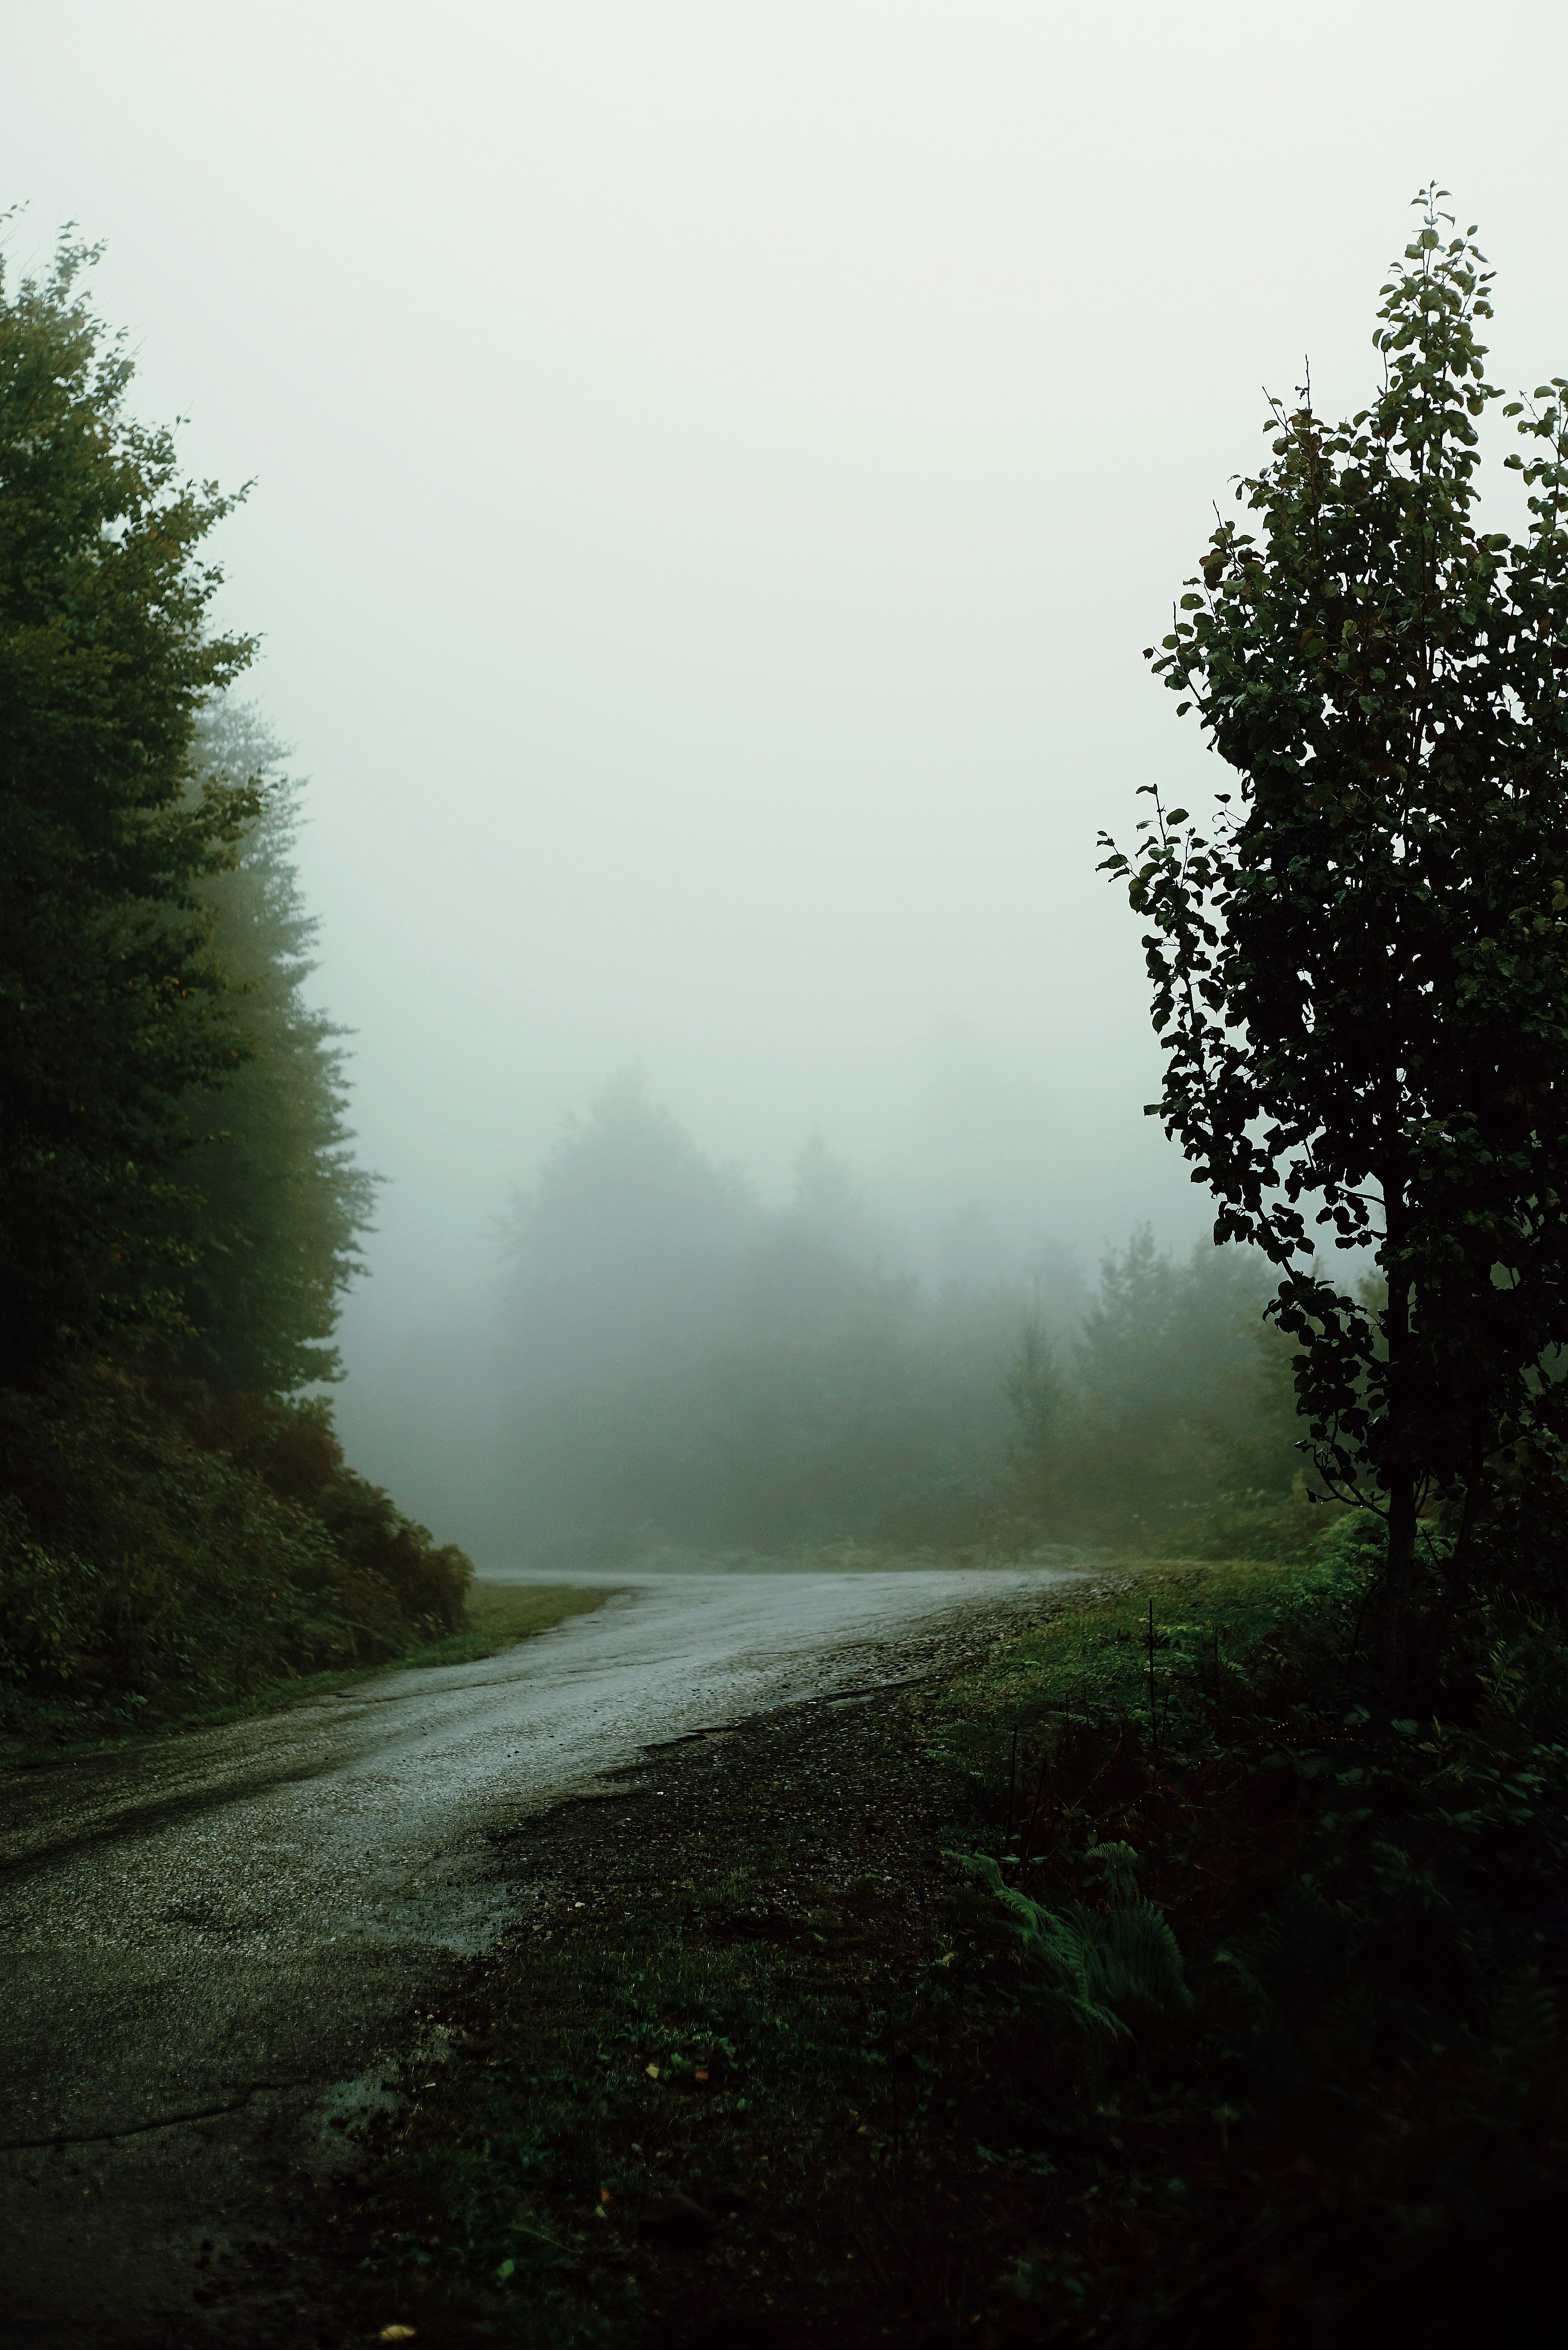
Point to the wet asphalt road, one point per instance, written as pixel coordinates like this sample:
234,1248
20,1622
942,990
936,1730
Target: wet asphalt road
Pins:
211,1947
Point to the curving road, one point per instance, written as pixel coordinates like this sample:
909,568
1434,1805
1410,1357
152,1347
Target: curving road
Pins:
212,1945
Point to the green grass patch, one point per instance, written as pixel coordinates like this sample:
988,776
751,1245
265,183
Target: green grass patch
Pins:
1092,1661
500,1613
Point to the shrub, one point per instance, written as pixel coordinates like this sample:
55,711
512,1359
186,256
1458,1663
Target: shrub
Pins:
151,1561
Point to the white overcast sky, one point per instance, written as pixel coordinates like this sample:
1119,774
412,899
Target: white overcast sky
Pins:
716,467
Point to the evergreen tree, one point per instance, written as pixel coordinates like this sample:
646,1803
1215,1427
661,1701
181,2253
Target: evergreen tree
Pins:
1171,1398
283,1203
625,1249
176,1192
112,1004
1037,1395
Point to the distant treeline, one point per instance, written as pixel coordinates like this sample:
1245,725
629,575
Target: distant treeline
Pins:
179,1209
681,1366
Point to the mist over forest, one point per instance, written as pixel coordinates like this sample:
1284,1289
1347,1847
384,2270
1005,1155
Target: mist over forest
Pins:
728,679
669,1367
664,1360
783,1386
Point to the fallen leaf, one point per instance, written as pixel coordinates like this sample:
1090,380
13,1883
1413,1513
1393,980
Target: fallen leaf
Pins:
700,2072
396,2333
652,2071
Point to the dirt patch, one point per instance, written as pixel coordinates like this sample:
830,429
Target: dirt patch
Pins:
716,2089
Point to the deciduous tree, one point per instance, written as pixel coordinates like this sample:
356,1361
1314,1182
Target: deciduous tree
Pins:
1360,971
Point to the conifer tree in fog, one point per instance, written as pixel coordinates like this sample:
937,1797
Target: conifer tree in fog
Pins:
282,1202
1159,1407
623,1247
1038,1395
178,1207
112,1004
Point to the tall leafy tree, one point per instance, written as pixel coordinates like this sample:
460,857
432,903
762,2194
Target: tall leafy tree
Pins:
113,1005
1360,971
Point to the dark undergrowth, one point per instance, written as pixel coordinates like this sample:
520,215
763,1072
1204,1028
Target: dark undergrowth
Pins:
1231,2014
162,1553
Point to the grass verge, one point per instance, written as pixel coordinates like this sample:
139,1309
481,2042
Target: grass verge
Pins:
1141,1983
499,1614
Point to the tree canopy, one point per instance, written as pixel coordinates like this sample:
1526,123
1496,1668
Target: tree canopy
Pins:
1360,971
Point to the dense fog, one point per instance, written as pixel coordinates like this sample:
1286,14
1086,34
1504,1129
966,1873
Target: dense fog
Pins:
669,1366
715,471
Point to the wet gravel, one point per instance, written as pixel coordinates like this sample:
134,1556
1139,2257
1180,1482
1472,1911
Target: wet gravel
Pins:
214,1944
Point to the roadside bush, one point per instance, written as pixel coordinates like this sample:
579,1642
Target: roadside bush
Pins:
391,1572
1361,2133
147,1566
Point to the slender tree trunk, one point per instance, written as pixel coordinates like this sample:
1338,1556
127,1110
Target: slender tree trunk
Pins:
1400,1574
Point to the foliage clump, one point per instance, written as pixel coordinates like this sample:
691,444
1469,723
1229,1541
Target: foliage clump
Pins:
1361,2125
154,1561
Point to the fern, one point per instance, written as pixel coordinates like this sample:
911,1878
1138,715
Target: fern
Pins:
1524,2022
1094,1965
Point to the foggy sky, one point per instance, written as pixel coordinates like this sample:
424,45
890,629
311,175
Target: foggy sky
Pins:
716,467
